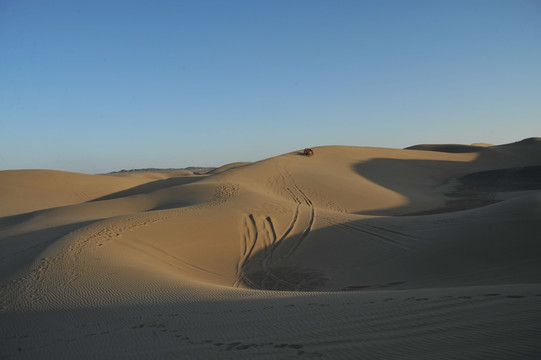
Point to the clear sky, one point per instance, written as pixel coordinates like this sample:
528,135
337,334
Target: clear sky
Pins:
103,85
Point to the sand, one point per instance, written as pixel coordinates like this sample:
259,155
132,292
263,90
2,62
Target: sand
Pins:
355,252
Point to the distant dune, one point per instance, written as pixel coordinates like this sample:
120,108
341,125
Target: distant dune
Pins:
355,252
449,148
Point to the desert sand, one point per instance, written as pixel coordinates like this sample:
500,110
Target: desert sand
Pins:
430,252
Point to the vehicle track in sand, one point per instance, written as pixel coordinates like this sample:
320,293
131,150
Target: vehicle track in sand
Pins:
306,212
258,235
384,237
259,242
381,236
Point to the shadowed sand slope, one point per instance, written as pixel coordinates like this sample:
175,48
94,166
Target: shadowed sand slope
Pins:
378,252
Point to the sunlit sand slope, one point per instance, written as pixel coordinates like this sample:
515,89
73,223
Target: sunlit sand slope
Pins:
427,252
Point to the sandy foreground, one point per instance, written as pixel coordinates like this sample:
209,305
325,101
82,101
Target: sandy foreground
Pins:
431,252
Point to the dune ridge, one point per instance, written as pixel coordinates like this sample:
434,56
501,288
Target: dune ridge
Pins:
424,252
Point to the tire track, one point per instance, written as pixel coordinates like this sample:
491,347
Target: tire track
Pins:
248,241
386,241
309,225
378,235
259,242
271,244
302,204
258,234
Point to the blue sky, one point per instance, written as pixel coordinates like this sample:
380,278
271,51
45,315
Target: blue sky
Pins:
103,85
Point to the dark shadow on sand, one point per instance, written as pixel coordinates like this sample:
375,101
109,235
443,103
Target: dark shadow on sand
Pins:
469,190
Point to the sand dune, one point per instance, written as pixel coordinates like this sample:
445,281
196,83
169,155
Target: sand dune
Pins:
22,191
355,252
